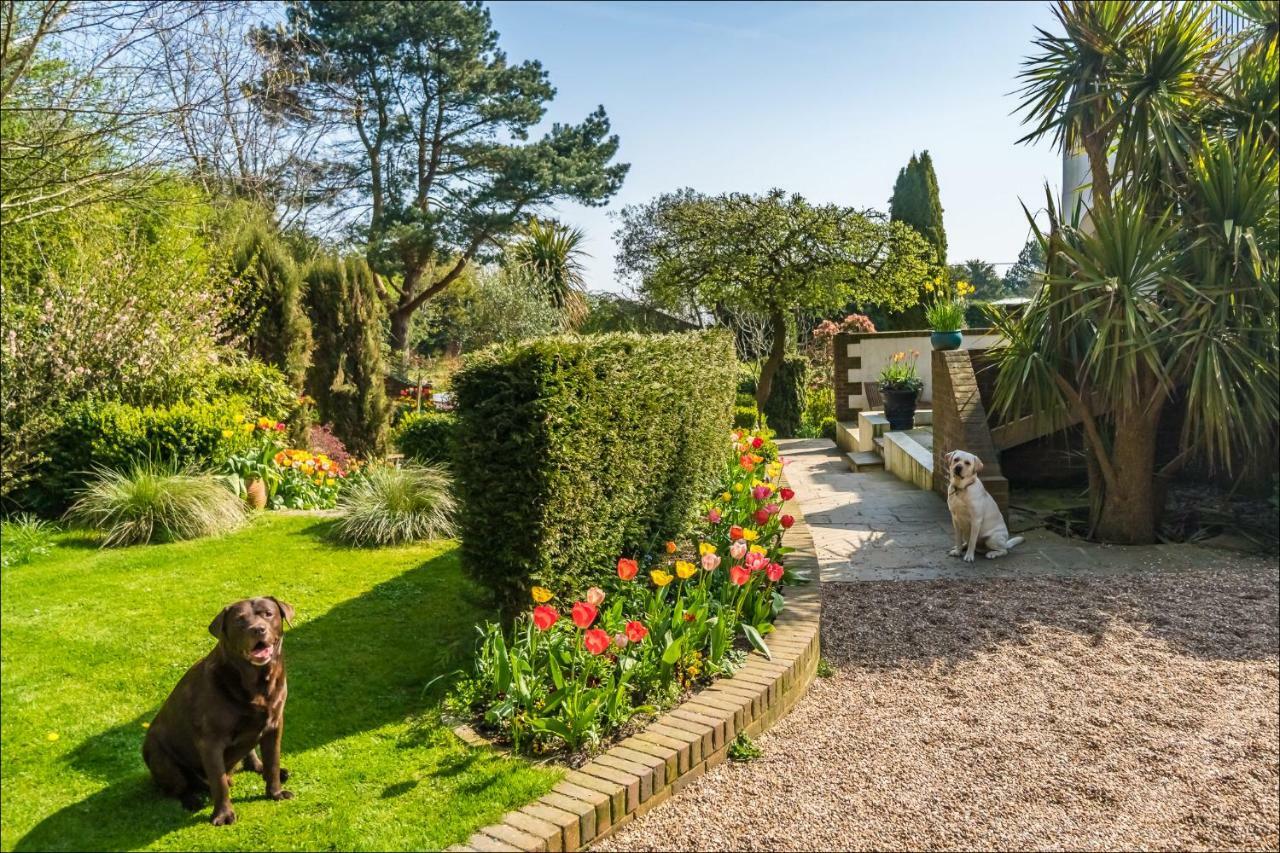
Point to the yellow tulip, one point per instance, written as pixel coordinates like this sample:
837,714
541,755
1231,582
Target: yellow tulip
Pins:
756,549
726,497
749,534
684,569
246,427
660,577
737,487
706,548
226,433
541,594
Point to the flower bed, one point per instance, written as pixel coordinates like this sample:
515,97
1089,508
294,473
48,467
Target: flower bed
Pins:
570,675
294,478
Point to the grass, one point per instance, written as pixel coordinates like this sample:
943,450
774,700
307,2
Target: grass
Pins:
93,640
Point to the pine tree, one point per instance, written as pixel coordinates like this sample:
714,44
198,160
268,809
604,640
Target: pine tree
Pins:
347,378
916,202
268,302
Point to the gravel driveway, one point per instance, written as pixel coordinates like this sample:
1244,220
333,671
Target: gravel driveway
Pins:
1131,712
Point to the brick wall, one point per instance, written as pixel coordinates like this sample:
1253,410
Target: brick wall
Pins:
844,388
960,423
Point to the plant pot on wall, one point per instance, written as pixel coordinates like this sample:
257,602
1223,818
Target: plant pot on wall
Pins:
255,493
946,340
900,407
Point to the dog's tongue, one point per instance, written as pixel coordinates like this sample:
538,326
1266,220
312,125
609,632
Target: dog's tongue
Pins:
262,653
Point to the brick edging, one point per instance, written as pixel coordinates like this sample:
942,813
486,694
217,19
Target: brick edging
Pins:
641,772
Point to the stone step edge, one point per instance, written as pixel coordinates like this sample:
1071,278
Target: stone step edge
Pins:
644,770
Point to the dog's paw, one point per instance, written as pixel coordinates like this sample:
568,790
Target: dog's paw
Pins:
968,558
281,795
955,552
192,801
224,818
991,555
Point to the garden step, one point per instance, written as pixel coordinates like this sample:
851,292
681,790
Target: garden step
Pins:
864,460
878,441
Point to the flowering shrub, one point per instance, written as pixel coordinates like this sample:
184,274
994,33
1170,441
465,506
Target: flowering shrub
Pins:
570,674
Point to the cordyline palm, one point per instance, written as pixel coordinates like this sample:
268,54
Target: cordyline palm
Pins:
549,254
1168,288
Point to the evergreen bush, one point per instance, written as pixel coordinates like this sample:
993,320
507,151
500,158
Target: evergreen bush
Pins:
787,398
426,436
573,451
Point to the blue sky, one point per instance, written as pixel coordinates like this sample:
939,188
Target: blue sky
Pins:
825,99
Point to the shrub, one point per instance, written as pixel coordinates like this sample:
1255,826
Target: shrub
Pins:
263,389
267,301
117,436
322,441
347,375
426,436
387,506
23,537
744,417
747,381
570,451
156,503
786,404
828,428
745,399
978,314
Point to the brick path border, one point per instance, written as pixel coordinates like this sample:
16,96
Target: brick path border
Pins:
641,772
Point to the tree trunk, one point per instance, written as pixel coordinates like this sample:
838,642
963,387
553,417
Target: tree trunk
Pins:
399,334
777,351
1129,509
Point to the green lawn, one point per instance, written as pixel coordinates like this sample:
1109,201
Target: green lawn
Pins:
94,640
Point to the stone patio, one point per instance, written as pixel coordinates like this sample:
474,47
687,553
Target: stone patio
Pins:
872,526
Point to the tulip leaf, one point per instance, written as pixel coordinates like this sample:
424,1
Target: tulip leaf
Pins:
672,652
556,675
753,637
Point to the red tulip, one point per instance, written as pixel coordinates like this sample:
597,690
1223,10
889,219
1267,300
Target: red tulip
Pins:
627,568
774,572
279,427
739,575
761,516
544,617
735,533
787,494
584,614
757,442
596,641
786,521
636,631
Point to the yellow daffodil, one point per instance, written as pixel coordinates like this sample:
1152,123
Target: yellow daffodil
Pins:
706,548
660,577
684,569
749,534
541,594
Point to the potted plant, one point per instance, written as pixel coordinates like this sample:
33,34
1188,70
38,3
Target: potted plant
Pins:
900,387
946,319
254,473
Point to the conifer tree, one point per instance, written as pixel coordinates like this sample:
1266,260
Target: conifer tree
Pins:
268,302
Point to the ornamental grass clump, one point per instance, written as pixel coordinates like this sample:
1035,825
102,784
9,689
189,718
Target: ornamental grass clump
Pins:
22,537
155,503
389,506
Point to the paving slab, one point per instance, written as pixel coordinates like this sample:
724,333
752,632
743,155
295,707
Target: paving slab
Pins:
871,526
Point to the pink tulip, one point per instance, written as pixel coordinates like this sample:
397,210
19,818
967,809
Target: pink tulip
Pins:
760,492
756,562
595,596
620,640
710,562
774,572
738,549
772,509
714,516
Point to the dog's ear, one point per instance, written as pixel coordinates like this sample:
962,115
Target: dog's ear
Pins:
946,460
977,465
215,627
286,610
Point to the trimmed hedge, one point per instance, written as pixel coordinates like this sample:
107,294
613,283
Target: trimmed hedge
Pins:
744,417
787,397
426,436
573,451
118,436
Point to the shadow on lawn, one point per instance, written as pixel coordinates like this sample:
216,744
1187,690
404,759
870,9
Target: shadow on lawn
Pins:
360,666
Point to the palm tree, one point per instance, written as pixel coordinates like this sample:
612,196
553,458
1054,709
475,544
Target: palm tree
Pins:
1167,287
549,255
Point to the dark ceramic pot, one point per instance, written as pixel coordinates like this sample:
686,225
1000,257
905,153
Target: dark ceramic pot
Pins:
900,408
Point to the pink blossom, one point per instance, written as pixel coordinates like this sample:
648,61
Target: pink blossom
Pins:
756,562
772,509
714,516
760,492
710,562
738,549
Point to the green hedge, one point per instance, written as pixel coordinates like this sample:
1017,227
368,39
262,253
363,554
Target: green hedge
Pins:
426,436
744,417
119,436
571,452
786,404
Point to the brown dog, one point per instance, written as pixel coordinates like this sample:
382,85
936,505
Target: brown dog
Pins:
228,703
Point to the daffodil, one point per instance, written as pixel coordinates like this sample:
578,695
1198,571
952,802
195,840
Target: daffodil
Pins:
541,594
660,577
684,569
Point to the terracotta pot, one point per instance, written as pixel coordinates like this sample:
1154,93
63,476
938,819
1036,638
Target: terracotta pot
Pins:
255,493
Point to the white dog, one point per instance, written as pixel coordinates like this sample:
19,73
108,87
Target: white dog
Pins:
974,514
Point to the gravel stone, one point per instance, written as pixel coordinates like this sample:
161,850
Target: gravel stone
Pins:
1120,712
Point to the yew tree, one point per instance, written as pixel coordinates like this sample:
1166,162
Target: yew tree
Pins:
773,254
433,135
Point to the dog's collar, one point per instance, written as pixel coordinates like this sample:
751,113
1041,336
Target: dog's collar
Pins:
951,490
